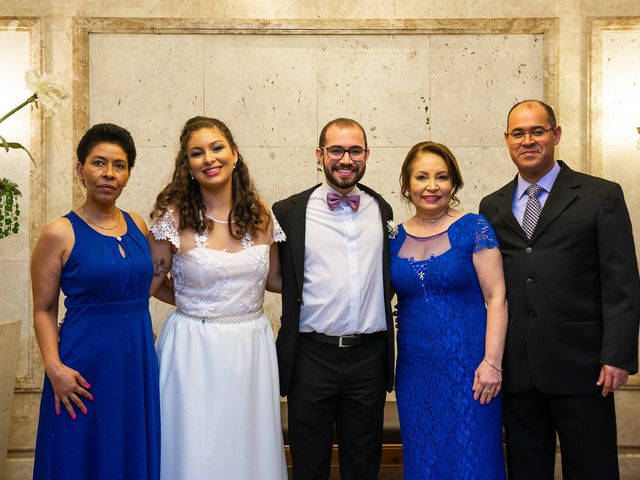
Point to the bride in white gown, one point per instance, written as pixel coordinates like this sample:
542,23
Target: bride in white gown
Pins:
220,408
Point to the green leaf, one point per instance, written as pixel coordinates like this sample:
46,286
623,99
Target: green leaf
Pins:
9,188
4,142
17,145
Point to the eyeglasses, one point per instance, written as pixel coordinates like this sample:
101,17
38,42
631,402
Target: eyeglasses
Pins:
357,154
537,133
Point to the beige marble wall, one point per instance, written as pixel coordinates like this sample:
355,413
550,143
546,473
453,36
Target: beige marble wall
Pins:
466,78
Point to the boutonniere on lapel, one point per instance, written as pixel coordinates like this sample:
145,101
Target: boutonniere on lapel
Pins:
392,229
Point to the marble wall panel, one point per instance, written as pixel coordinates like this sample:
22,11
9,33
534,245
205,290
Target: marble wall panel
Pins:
279,172
382,81
24,425
19,468
621,87
357,9
14,302
14,58
622,165
382,174
263,87
152,171
617,93
159,313
475,81
149,84
483,8
484,170
628,421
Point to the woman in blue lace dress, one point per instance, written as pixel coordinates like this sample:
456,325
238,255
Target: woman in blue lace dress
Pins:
100,408
446,270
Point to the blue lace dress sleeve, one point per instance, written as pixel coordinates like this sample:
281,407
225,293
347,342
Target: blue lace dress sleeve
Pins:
485,237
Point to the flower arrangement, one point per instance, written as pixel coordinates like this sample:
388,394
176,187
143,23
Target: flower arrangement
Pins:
49,94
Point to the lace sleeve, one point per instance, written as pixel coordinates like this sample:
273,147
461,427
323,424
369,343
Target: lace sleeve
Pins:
278,233
484,236
165,229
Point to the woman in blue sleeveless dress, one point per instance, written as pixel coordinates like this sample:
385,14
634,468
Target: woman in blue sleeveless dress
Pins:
99,413
444,268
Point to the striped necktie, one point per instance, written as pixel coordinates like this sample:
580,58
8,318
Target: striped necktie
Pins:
532,210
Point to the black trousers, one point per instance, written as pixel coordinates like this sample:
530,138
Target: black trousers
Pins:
586,428
342,390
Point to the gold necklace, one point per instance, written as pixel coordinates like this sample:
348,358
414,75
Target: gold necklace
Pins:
433,220
98,225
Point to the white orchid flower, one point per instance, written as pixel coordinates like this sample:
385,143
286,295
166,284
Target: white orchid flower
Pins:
48,92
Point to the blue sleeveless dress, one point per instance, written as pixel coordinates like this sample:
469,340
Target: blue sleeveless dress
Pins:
446,434
106,336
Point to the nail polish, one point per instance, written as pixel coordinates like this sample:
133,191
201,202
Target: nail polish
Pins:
73,416
84,411
88,385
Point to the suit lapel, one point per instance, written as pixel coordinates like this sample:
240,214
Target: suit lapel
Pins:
561,196
298,224
505,208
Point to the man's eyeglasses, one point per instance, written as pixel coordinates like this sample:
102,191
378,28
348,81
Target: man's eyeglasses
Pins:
356,154
537,133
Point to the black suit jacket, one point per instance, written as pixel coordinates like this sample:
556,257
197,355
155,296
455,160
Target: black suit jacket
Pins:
291,214
573,289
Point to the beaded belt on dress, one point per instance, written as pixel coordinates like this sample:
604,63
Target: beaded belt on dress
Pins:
247,317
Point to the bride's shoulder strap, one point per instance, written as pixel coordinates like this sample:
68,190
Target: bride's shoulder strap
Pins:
164,228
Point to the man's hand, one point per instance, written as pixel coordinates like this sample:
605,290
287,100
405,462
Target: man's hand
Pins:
611,378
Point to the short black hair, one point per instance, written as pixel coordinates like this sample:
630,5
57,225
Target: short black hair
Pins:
107,133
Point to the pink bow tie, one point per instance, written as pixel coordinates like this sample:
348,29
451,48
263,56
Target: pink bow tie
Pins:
333,199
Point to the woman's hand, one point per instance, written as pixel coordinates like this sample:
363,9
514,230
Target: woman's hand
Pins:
68,387
487,382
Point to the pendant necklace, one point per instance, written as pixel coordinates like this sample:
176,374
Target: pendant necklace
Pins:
433,220
91,221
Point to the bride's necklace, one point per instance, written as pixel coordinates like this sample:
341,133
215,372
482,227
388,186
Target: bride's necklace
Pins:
222,222
434,219
93,222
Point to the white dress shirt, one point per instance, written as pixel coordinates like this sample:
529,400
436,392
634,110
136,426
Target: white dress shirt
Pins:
342,290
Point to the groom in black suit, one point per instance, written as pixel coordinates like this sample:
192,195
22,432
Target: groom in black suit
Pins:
574,305
335,345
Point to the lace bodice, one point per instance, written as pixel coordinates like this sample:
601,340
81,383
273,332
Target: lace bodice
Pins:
217,283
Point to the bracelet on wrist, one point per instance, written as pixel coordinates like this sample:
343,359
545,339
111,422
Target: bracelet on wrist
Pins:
495,367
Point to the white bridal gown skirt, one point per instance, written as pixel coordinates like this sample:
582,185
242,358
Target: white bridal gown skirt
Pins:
220,405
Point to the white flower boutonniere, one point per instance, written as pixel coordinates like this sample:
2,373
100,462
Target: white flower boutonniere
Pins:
392,229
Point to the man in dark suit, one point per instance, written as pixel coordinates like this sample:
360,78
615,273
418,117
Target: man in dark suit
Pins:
574,305
335,345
